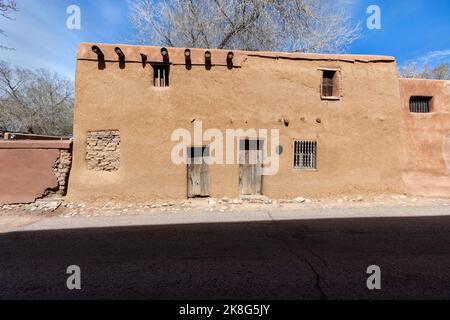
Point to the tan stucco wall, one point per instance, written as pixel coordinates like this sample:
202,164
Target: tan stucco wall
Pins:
359,137
427,138
26,169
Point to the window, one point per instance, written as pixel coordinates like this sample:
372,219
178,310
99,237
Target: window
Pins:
305,155
161,75
420,104
330,83
248,144
197,154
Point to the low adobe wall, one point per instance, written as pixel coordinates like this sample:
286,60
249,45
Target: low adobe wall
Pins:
32,169
427,139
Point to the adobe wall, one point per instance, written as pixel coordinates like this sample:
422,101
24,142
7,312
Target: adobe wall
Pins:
427,139
31,169
359,137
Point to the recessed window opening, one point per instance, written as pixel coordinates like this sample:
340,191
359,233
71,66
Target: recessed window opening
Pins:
330,83
161,75
305,155
420,104
197,154
251,144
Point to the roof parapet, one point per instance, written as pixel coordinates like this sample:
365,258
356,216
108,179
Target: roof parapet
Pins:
218,57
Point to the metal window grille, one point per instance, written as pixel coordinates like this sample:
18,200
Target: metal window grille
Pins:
419,104
305,154
161,75
328,83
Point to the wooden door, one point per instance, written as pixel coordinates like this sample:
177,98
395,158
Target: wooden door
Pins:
250,167
198,172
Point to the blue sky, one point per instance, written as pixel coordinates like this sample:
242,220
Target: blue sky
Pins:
411,30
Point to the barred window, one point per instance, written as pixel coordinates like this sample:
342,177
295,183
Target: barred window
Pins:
420,104
305,154
161,75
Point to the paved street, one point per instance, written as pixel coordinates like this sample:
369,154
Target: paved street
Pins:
267,255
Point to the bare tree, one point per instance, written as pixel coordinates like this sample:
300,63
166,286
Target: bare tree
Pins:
424,71
6,8
294,25
38,102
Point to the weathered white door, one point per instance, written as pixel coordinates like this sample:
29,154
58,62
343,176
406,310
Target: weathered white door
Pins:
250,167
198,178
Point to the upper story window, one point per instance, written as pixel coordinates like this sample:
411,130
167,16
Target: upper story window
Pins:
420,104
160,75
330,84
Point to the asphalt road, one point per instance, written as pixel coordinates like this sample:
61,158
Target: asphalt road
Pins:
278,259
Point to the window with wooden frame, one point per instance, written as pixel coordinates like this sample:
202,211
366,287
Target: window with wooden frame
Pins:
330,84
420,104
305,155
161,75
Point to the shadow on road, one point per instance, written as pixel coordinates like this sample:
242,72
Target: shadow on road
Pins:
304,259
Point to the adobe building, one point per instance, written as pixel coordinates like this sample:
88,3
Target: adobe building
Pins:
426,110
150,123
339,119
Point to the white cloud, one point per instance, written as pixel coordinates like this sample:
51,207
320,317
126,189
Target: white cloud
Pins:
435,57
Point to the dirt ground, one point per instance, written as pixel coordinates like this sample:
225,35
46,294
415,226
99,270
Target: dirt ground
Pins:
58,207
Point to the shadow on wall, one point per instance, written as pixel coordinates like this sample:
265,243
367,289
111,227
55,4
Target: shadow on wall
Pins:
299,259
